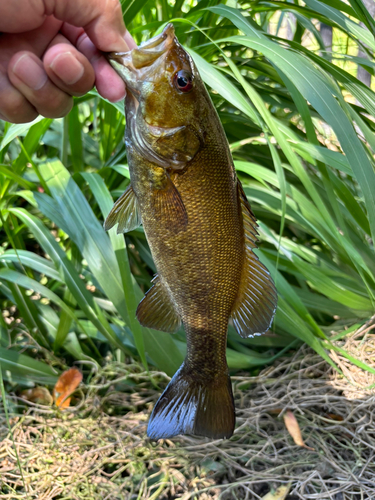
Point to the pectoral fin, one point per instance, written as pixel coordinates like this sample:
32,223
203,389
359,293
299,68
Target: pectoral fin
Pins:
125,212
157,311
167,203
256,302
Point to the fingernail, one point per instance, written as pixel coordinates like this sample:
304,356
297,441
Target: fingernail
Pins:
120,98
30,72
67,67
129,40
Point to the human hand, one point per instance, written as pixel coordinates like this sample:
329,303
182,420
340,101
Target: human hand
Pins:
50,51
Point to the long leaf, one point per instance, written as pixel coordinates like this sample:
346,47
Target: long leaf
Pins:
23,369
68,275
160,346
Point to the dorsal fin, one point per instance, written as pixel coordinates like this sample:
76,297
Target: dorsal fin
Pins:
156,310
256,302
125,212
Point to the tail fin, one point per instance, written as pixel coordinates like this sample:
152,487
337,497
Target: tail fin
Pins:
191,406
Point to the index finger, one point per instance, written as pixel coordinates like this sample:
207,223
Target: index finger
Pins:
101,19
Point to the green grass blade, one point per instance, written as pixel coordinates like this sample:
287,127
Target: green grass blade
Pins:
105,202
75,139
4,170
363,14
20,129
86,232
32,260
316,89
69,275
22,369
217,81
347,25
4,400
30,284
131,8
160,346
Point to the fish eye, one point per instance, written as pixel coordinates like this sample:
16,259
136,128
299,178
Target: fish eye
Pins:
183,81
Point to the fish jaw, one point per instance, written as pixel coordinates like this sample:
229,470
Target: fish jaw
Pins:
136,66
169,139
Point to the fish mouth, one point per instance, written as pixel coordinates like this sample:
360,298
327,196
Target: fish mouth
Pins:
138,65
138,68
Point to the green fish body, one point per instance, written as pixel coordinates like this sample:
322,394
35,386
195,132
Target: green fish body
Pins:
200,229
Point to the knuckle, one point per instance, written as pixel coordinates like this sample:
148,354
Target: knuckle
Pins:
85,85
114,6
56,108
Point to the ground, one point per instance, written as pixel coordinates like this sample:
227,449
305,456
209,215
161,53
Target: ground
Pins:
98,449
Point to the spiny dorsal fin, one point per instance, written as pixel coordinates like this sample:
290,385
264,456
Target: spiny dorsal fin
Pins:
256,302
125,212
167,205
156,310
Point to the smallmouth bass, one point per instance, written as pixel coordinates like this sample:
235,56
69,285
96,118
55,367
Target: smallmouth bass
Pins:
200,229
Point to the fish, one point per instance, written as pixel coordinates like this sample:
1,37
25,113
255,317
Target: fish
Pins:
200,229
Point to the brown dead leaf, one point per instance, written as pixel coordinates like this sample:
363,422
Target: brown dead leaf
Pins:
293,428
279,494
67,383
333,416
275,411
39,395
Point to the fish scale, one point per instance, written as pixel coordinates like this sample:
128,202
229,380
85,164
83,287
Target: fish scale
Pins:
200,230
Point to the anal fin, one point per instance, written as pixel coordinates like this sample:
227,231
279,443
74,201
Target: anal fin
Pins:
156,310
255,306
125,212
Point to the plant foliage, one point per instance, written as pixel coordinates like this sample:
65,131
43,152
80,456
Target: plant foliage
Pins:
301,132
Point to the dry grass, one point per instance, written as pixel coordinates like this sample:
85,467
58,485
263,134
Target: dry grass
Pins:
361,344
98,449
